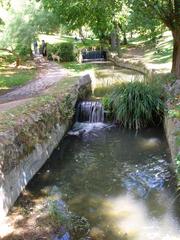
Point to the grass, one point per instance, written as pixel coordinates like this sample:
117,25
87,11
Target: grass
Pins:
78,67
159,52
11,77
10,117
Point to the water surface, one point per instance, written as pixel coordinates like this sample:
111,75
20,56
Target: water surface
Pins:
120,180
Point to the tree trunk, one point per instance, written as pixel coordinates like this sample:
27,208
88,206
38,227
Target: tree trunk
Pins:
113,41
81,35
118,45
124,38
117,29
176,54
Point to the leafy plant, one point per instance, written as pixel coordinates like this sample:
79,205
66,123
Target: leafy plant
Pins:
178,165
135,104
57,218
66,108
79,227
64,50
67,52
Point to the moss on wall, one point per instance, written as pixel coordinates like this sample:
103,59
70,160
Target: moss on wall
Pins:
33,123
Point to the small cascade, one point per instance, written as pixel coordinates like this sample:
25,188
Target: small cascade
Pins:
90,111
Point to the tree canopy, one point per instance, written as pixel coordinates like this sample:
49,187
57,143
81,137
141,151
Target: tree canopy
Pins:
107,19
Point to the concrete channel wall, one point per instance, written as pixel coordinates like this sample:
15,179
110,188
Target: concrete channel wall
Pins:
17,167
171,125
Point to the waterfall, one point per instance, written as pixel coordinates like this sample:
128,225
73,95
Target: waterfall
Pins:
90,111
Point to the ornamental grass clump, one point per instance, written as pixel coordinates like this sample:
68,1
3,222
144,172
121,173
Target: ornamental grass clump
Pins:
136,104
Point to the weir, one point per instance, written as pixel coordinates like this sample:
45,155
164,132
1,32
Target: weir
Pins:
97,55
90,111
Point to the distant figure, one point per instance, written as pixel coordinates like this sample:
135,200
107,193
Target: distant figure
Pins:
35,44
44,48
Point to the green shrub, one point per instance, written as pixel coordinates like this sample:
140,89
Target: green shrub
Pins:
23,51
135,104
64,50
53,48
67,52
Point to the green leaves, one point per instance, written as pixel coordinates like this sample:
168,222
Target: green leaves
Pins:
135,104
24,23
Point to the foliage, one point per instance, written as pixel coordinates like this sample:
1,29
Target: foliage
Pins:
79,227
168,12
64,50
148,26
57,218
23,23
178,164
135,104
53,48
66,108
77,13
67,52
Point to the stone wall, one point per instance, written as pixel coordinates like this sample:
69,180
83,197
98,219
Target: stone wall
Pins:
171,124
25,147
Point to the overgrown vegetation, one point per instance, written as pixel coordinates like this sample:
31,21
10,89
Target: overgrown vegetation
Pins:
135,104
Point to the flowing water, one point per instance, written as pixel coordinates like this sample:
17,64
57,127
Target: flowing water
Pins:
120,180
90,111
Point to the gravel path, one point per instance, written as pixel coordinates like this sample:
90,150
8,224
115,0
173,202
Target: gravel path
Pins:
50,73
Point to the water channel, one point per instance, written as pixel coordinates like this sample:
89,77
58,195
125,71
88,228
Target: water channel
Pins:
120,180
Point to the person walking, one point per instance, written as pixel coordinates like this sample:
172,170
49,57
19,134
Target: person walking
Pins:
44,48
35,44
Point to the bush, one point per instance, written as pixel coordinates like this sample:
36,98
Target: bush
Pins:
135,104
64,50
67,52
53,48
23,51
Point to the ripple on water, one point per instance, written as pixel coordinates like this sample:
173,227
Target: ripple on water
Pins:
116,180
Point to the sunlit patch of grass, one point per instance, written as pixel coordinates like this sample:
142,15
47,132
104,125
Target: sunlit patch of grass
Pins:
78,67
10,117
10,76
13,78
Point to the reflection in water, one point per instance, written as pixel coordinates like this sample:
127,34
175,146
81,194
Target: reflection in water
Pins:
118,179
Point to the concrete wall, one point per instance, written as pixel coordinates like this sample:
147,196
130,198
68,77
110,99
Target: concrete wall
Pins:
16,168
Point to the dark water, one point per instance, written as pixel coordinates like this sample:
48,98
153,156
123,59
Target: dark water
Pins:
118,179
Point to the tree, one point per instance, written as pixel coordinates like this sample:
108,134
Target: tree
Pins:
22,23
168,11
99,15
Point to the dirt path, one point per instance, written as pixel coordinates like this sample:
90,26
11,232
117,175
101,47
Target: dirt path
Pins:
50,73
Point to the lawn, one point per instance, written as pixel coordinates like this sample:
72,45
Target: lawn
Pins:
77,67
11,77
